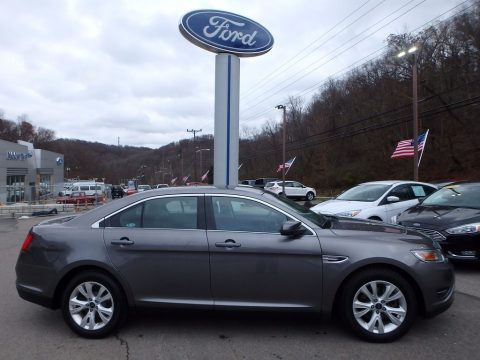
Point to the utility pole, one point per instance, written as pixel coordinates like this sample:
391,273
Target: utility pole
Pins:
284,135
194,152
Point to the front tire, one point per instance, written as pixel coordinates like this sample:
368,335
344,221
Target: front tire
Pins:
310,196
378,305
93,305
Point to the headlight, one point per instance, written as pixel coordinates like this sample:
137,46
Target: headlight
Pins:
429,255
465,229
350,213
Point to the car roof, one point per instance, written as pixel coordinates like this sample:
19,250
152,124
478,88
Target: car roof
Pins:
396,182
104,210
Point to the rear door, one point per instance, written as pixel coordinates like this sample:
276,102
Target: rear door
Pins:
252,265
160,248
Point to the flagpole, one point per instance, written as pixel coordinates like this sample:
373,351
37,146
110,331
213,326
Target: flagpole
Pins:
423,149
290,165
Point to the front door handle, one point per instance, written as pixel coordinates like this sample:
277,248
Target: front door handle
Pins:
227,244
122,241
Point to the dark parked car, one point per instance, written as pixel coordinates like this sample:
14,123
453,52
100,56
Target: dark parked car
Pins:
450,216
261,182
230,249
247,182
117,192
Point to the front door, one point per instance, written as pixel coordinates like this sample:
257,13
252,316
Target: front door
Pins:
252,265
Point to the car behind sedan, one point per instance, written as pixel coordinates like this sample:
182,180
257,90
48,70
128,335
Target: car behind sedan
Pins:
451,216
240,248
376,200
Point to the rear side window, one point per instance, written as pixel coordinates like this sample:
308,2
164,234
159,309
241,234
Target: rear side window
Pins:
130,218
84,188
160,213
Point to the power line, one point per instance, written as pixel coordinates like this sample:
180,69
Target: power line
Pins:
261,81
309,68
393,122
313,87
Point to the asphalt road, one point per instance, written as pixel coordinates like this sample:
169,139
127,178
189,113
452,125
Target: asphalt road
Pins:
29,331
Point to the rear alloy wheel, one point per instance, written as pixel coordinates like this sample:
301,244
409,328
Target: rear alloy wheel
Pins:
93,305
379,305
310,196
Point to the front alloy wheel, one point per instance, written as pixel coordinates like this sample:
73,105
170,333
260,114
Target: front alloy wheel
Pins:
93,305
310,196
379,305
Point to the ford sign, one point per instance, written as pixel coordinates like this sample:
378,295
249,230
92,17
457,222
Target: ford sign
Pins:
224,32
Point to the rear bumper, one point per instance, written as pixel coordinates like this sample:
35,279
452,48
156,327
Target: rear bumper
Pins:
35,296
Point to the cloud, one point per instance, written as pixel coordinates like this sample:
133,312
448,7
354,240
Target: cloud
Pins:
99,70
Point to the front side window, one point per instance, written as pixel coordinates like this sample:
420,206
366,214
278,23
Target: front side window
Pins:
402,192
238,214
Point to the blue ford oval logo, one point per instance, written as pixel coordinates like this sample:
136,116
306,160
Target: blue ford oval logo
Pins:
221,31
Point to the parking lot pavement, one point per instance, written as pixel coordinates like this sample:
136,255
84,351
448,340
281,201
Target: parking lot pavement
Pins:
32,332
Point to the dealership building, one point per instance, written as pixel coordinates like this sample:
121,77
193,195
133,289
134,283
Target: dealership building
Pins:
28,174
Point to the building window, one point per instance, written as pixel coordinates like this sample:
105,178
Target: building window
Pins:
15,188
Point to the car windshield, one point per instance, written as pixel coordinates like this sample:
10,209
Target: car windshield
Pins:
317,219
364,192
459,195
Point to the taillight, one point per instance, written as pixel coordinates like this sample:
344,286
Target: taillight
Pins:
28,240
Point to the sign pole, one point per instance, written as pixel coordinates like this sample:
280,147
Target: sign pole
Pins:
227,89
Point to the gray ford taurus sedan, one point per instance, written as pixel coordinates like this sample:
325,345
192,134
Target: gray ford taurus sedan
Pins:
231,249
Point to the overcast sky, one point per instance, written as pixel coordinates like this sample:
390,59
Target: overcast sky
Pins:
99,70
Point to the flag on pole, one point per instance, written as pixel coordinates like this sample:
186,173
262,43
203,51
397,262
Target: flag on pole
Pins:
405,149
239,166
173,181
204,176
287,165
185,178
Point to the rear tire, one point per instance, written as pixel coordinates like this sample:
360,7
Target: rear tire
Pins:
93,305
378,305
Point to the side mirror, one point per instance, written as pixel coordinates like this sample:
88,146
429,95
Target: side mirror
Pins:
392,199
292,228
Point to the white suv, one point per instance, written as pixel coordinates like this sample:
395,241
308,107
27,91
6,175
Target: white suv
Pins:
376,200
293,189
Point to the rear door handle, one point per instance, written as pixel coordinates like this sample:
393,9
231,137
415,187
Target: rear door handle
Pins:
122,241
227,244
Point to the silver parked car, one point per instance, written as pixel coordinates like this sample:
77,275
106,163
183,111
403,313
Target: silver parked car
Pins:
230,249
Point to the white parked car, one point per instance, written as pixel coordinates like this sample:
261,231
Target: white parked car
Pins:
376,200
293,189
144,188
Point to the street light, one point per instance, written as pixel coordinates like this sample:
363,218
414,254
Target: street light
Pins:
284,108
413,51
200,151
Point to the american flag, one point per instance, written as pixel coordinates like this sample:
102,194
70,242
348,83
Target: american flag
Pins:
185,178
404,148
286,165
173,181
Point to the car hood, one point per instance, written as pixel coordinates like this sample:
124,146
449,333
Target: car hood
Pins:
438,217
338,206
377,231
